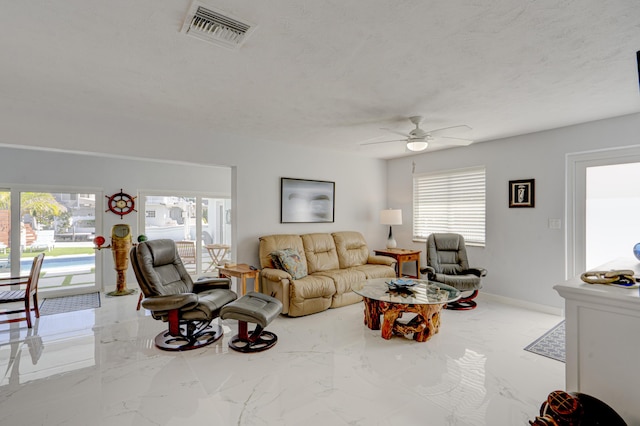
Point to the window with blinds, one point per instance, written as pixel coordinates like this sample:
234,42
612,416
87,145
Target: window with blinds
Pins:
450,201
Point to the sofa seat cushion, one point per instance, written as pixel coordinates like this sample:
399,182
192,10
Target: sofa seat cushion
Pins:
377,271
320,251
466,282
290,260
344,279
209,304
312,286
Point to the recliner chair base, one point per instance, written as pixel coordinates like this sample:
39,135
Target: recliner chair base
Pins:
464,303
182,342
259,340
257,308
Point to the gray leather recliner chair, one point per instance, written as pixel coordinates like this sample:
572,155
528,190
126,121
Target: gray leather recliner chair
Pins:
447,263
173,297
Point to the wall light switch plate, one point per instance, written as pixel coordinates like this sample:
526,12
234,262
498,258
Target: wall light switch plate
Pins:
555,224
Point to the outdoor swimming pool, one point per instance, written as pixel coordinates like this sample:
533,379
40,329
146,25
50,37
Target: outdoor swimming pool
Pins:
61,263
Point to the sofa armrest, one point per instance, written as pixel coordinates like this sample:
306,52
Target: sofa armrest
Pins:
205,283
381,260
478,272
275,274
170,302
275,283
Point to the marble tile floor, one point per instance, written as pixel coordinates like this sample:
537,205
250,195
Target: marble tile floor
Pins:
100,367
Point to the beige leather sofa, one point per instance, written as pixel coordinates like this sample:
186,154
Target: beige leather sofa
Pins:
334,262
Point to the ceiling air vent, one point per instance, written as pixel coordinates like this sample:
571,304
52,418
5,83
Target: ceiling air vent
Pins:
216,26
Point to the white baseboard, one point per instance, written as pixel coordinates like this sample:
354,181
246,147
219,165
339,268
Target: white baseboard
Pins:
522,304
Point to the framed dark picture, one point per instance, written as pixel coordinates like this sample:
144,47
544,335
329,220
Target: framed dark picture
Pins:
522,193
306,201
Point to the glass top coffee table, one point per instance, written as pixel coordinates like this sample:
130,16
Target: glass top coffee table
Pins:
393,297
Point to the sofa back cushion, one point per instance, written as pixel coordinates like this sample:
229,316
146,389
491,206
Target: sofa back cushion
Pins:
159,269
320,251
272,243
351,248
447,253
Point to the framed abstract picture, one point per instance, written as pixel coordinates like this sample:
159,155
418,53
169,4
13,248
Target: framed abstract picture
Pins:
306,201
522,193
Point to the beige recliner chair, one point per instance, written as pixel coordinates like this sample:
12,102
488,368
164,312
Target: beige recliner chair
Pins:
173,297
447,263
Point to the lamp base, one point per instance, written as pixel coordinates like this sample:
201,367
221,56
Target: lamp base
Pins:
391,242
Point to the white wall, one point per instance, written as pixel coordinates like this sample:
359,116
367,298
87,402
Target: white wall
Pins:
257,167
525,258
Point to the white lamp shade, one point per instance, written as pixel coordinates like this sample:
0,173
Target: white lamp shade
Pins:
417,146
391,217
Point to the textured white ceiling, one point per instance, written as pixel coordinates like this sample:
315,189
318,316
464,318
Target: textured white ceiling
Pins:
329,73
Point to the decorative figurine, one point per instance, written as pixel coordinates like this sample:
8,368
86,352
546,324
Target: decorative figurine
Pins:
120,247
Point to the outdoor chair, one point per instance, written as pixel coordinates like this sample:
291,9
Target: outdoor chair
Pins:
44,241
447,263
22,289
171,296
187,251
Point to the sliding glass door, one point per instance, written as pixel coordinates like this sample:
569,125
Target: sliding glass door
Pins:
200,225
601,199
60,224
5,233
612,203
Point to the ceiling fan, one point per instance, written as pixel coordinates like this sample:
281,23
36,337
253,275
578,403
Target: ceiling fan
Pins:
419,139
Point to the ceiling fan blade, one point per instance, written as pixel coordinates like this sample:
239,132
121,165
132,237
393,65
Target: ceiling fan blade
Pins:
445,140
406,135
379,142
450,130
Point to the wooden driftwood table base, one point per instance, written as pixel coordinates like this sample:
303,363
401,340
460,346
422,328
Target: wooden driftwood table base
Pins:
389,300
424,325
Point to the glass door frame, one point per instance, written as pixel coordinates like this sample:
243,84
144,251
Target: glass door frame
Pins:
142,208
15,255
576,198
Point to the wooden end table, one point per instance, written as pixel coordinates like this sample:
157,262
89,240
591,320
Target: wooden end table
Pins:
241,271
402,256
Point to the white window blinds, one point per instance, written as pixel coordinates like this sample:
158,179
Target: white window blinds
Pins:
450,201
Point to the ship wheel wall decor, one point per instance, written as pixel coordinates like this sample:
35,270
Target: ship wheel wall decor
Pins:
121,203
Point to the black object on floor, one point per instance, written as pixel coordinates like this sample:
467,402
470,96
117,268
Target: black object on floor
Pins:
575,408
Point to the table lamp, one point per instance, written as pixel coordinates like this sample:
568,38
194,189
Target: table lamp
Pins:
391,217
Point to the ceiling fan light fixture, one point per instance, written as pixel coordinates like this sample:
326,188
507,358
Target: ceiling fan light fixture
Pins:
417,145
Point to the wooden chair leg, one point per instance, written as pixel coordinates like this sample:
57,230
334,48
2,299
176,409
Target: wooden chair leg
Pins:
35,305
27,311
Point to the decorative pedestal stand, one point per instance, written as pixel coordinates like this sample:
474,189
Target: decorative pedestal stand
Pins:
120,247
